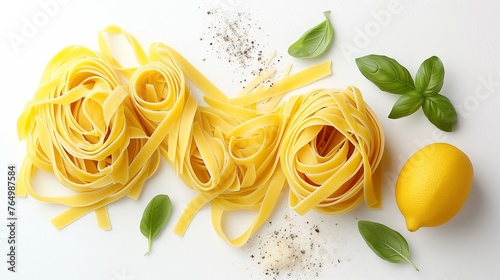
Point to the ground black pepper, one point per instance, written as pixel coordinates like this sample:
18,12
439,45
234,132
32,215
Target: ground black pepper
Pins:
232,33
235,37
292,249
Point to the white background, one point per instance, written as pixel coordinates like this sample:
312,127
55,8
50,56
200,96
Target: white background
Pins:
464,34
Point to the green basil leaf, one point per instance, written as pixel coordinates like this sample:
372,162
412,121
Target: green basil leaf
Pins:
430,76
387,243
440,112
155,217
313,42
406,105
386,73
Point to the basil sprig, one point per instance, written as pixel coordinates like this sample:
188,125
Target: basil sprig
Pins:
387,243
155,217
313,42
390,76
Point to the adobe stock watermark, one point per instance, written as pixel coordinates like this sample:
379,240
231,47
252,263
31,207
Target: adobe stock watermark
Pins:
373,28
484,89
31,25
228,4
390,176
121,275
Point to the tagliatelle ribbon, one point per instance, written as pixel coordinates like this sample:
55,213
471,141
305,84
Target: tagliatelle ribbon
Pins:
101,128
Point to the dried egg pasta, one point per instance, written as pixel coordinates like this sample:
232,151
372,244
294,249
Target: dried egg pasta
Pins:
102,128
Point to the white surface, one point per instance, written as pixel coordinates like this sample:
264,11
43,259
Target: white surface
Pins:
463,34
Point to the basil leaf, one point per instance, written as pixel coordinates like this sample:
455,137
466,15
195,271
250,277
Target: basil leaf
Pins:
155,217
387,243
313,42
430,76
440,112
406,105
386,73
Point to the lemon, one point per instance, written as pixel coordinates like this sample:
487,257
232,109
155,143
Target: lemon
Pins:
433,185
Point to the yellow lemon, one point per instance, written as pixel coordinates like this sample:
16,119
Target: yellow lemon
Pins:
433,185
